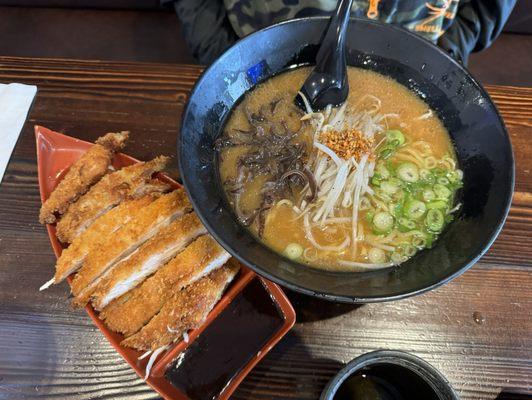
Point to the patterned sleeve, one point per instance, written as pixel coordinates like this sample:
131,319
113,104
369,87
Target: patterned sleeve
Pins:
476,26
206,29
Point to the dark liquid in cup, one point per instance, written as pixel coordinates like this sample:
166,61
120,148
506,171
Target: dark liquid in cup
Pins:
385,382
210,363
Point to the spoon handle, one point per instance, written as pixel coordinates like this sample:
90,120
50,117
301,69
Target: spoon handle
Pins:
333,42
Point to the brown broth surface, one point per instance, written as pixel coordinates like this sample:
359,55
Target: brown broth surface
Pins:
281,226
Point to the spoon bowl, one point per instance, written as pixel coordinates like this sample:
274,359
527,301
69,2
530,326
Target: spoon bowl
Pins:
327,83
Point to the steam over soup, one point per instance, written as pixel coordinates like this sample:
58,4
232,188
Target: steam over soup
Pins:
362,186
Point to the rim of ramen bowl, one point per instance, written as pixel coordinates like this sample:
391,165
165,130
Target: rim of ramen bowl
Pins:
464,266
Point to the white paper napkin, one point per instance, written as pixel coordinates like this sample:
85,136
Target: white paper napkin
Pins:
15,102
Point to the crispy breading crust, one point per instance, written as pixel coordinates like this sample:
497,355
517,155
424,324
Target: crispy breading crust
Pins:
153,186
186,310
147,259
126,239
131,311
90,240
106,194
83,173
114,141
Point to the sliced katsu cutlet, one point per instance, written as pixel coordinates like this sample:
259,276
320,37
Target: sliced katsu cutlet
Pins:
140,228
186,310
152,255
127,183
85,171
130,312
91,239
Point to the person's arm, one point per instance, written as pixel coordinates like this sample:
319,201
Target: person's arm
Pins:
206,28
476,26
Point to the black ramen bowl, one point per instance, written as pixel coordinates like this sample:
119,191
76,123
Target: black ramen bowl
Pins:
480,139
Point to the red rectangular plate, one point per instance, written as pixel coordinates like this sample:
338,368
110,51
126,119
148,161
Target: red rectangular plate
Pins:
55,153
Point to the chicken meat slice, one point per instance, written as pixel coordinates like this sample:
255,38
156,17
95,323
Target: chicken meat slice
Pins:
129,182
153,254
186,310
128,313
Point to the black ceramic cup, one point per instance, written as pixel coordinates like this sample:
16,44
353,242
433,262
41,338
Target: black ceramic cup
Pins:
388,375
477,131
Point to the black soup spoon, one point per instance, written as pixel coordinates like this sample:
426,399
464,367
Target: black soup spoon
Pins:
327,83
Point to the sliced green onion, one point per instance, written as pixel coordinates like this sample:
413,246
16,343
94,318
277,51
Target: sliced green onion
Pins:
429,240
405,225
396,209
428,194
376,255
375,181
452,177
456,185
410,250
382,171
396,137
434,220
385,153
425,174
456,176
455,179
442,192
430,162
293,251
397,258
408,172
415,209
443,181
439,172
437,204
383,221
390,186
419,241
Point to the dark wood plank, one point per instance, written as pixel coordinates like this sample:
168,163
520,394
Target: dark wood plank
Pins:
123,31
48,350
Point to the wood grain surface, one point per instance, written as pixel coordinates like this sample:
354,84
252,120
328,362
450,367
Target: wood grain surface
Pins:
48,350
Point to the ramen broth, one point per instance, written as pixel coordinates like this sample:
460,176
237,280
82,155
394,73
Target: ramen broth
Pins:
268,163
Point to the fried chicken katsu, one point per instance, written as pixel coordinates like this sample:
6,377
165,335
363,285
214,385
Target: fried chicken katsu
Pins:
91,239
127,183
126,240
131,311
129,273
137,251
83,173
186,310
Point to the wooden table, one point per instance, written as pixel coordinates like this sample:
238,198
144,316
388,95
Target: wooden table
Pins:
48,350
